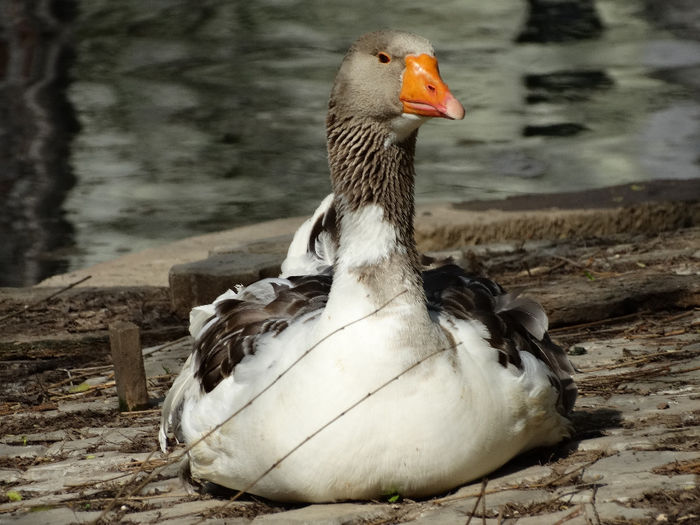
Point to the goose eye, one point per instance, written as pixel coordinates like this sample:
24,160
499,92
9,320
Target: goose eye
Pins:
383,58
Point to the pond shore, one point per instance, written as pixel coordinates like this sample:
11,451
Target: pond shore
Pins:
646,207
620,281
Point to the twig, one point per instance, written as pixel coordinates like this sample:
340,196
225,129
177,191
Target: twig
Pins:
611,330
116,498
540,485
91,368
565,475
593,503
557,266
570,261
149,351
137,413
88,390
75,378
43,300
158,378
678,331
685,370
146,465
610,320
577,470
145,497
597,381
571,515
642,359
598,322
482,494
679,316
93,483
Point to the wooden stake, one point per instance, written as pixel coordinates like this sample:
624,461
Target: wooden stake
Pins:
129,372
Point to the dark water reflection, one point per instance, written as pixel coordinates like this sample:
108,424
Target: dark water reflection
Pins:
36,126
200,116
560,21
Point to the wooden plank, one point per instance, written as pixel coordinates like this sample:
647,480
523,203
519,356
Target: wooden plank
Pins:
129,372
82,347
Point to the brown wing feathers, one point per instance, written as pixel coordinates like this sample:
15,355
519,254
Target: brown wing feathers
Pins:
514,324
236,326
327,222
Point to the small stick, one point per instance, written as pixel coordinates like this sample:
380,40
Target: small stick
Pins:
137,413
76,378
571,515
595,510
36,303
679,316
580,468
685,370
478,499
598,322
88,390
638,360
129,372
90,369
571,262
149,351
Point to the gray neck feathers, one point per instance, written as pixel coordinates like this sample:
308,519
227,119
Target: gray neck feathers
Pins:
367,169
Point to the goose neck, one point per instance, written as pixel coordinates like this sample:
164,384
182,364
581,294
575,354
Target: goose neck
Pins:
373,181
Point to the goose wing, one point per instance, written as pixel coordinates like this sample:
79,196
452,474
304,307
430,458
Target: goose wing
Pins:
229,329
232,333
515,323
312,250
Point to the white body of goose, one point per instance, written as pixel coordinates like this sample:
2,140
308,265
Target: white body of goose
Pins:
471,377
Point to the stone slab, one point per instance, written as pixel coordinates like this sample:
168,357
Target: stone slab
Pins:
200,282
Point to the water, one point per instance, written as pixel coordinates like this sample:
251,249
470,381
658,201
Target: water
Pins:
145,122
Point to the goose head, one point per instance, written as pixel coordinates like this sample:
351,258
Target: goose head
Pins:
392,77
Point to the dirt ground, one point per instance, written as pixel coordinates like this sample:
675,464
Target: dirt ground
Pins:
625,306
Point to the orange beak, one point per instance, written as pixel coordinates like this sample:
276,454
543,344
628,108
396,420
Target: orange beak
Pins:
424,93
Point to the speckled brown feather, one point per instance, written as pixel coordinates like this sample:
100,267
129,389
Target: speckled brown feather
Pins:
236,327
451,290
448,289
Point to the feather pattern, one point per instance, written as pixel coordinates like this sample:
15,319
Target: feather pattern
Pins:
312,250
514,323
232,333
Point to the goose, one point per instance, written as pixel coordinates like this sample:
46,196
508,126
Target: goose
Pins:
356,373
